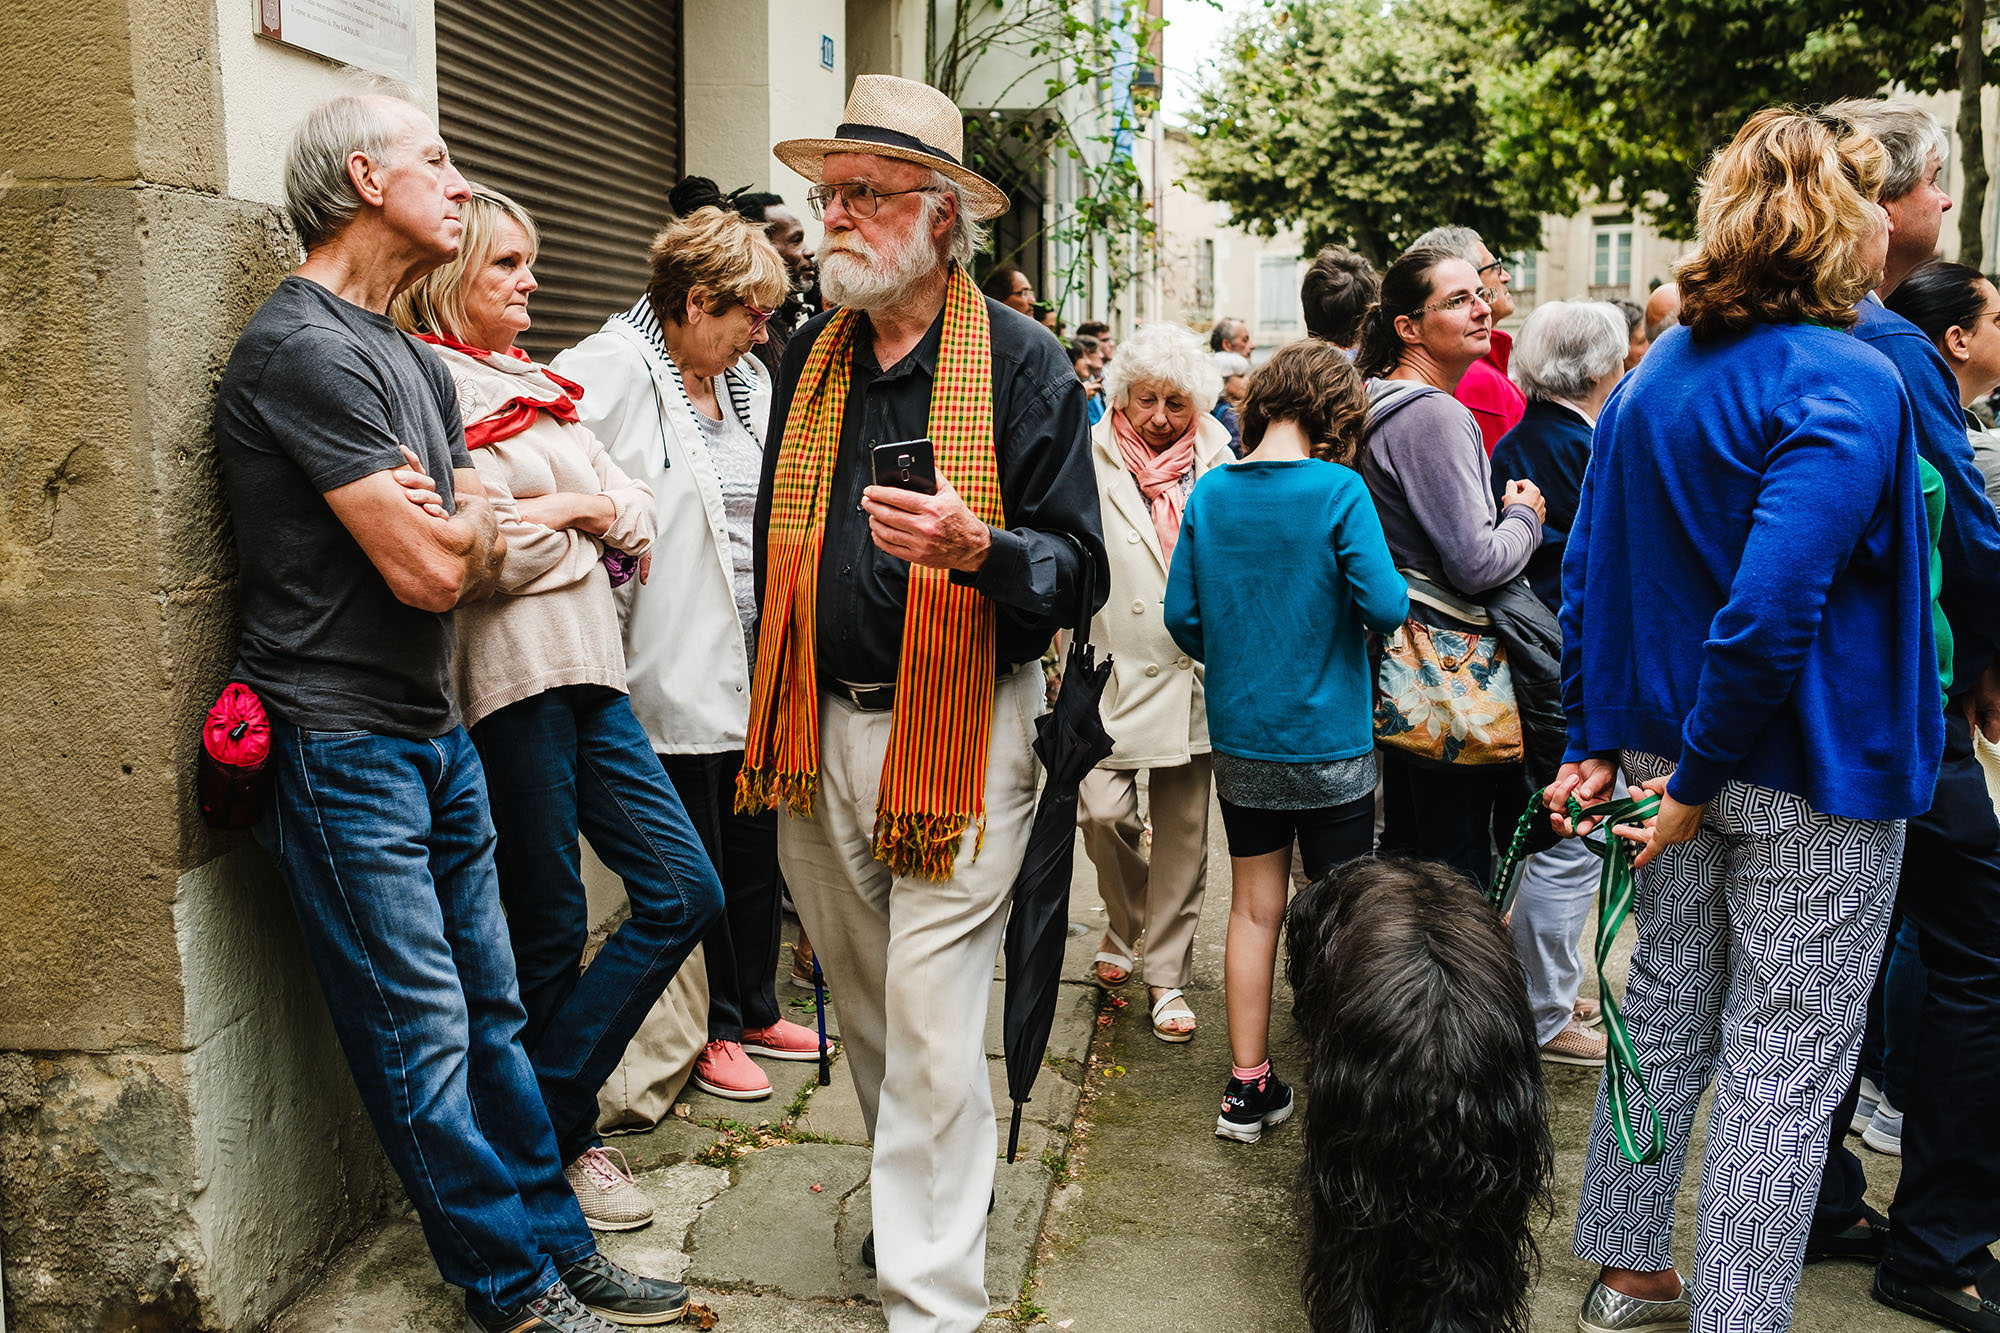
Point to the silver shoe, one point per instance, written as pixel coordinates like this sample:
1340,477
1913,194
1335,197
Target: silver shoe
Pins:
1608,1311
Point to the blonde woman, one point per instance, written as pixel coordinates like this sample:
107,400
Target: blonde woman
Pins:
672,387
540,677
1751,526
1149,450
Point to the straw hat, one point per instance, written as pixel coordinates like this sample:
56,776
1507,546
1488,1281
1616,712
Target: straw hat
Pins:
900,118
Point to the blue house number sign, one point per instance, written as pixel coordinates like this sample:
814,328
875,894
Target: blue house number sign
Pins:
825,51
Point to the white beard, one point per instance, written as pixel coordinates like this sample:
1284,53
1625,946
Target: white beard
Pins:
857,275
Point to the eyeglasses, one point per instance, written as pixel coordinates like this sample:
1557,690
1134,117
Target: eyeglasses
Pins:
1459,300
1500,264
857,198
759,316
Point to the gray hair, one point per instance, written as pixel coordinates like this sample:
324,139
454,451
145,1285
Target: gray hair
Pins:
968,235
1463,242
320,198
1566,347
1167,354
1907,132
1229,363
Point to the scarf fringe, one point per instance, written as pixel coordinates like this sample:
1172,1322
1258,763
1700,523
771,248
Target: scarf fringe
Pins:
760,790
924,845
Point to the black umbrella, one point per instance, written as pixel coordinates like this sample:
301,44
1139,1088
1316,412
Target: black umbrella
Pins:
1069,740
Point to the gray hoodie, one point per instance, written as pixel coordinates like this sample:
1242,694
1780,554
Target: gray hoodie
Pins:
1425,464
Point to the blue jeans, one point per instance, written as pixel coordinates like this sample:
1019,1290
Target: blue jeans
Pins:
574,760
387,848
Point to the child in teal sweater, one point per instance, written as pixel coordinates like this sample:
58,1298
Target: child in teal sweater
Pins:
1280,570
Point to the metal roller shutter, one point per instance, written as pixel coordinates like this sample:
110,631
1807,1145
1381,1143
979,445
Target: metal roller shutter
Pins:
573,109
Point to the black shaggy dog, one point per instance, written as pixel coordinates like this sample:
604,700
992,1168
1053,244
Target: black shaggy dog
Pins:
1427,1138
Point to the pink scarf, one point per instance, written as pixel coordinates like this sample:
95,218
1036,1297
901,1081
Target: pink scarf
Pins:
1159,475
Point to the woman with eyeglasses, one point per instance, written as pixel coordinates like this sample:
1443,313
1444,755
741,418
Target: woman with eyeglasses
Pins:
1425,463
673,389
1959,311
540,679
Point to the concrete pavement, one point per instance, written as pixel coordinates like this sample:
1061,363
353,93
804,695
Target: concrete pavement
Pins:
1124,1212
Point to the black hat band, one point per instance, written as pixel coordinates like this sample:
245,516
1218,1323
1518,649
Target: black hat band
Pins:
891,139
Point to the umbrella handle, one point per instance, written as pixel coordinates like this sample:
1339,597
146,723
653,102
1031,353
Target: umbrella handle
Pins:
1086,586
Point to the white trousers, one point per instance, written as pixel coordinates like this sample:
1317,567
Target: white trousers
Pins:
910,965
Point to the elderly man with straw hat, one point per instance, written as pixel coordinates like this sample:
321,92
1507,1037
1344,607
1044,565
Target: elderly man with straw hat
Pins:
897,673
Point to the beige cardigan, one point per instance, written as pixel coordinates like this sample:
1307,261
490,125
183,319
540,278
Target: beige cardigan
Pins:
553,621
1153,706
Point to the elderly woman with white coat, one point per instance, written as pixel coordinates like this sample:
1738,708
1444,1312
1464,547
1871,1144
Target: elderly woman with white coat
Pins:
1148,451
672,387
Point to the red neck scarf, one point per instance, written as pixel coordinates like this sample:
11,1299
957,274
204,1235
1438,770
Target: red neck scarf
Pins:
516,414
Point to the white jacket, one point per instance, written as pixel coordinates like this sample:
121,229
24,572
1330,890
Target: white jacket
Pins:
685,664
1153,706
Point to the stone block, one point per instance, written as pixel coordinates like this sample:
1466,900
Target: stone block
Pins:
287,1165
678,1195
96,1169
771,1231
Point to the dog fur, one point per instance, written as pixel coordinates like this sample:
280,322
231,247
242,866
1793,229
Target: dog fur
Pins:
1427,1150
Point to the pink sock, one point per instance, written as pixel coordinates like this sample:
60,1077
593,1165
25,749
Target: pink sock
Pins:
1257,1075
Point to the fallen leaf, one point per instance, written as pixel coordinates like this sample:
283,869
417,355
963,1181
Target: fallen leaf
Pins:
698,1316
682,1110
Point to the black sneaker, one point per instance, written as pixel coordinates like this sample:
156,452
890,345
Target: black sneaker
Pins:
868,1251
621,1297
1248,1109
554,1311
1943,1305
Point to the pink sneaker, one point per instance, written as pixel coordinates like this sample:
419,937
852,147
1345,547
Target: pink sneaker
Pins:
723,1070
783,1040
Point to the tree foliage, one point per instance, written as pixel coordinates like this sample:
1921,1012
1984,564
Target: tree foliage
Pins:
1360,123
1059,54
1627,98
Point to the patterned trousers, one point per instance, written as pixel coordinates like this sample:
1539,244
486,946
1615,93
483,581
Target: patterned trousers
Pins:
1758,942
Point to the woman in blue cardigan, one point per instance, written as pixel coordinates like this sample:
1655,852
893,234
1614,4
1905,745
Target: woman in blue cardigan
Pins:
1279,569
1746,624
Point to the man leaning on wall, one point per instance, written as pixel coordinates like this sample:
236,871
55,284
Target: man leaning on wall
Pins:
360,524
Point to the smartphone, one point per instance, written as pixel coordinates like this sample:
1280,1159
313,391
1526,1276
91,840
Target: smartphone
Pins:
908,465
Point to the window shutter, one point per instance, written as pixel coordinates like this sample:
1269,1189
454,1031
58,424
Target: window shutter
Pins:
572,108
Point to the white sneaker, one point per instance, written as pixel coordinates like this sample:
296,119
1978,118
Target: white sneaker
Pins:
605,1192
1885,1130
1864,1110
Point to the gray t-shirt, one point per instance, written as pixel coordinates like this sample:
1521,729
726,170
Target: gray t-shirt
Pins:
318,393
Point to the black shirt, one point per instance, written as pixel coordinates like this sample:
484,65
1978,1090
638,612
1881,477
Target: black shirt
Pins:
318,393
1047,486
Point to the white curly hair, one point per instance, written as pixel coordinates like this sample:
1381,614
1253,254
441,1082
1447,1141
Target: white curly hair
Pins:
1167,354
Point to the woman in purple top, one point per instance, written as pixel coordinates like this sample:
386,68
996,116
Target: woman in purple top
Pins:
1426,467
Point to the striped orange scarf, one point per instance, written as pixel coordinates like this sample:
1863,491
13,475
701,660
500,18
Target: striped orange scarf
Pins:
934,776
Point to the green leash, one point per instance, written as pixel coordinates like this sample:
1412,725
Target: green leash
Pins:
1616,885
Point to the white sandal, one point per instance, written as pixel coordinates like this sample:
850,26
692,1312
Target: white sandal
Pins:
1123,961
1160,1015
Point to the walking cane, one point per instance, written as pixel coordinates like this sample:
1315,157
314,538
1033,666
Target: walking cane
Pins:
819,1005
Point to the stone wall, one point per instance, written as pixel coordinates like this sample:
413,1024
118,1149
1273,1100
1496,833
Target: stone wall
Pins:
180,1146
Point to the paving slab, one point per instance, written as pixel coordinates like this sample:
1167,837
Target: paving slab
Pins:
678,1194
777,1227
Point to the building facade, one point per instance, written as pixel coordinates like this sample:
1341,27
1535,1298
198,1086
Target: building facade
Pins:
180,1144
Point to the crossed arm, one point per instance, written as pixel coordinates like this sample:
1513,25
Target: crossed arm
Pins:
431,559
